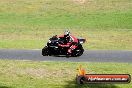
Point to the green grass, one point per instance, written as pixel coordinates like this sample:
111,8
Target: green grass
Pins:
35,74
29,24
95,39
119,20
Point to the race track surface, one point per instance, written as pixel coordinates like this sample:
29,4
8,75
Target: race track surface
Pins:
88,56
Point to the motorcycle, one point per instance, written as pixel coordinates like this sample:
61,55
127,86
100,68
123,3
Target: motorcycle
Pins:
53,48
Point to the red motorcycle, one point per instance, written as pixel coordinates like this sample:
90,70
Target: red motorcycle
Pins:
56,46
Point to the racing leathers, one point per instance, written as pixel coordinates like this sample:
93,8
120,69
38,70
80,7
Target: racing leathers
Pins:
69,42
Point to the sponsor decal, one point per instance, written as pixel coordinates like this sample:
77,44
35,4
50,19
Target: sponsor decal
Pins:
107,78
82,77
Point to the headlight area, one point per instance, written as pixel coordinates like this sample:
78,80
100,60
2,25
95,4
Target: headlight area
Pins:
49,41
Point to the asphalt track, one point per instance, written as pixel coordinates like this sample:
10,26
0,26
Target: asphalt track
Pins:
88,56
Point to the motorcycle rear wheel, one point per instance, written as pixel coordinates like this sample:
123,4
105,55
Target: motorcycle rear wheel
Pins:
78,52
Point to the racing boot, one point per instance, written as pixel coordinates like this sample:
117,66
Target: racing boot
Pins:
69,53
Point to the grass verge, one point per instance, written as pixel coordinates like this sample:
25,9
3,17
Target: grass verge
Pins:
29,24
35,74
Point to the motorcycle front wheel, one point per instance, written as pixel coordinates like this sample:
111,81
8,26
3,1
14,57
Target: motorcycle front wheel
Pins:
45,51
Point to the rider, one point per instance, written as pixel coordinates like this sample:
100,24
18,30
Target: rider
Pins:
69,42
66,37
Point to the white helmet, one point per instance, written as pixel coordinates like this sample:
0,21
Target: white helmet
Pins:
66,33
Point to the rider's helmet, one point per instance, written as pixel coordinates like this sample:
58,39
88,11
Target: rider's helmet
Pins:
66,33
67,36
